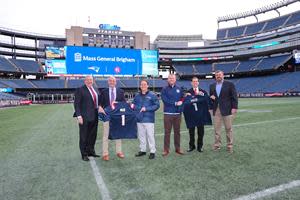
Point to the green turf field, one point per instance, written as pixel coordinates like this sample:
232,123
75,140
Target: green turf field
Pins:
40,159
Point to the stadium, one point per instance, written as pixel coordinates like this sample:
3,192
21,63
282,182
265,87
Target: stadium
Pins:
39,74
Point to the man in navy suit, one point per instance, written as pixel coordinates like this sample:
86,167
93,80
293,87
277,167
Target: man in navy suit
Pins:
86,111
225,105
107,97
194,91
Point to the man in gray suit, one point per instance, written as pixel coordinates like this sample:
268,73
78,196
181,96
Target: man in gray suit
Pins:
225,105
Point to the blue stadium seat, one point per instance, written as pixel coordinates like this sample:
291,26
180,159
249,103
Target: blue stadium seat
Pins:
236,32
27,65
226,67
5,65
254,28
275,23
294,19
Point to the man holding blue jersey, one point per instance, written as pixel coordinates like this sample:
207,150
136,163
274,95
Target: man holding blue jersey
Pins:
172,97
146,102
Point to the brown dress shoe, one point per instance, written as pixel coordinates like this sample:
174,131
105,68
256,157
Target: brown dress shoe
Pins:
105,158
120,155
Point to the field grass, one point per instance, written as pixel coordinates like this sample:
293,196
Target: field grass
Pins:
40,159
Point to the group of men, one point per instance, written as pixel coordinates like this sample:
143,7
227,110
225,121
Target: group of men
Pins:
221,102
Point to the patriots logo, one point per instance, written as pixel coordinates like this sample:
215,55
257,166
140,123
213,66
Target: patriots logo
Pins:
94,68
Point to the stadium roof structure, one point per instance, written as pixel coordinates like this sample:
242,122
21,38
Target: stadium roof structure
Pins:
271,7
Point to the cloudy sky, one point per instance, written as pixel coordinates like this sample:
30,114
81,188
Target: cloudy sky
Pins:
154,17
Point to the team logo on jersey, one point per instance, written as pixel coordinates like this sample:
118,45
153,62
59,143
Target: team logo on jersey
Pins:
201,93
123,110
178,91
194,100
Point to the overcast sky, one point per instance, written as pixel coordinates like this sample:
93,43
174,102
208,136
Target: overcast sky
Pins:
154,17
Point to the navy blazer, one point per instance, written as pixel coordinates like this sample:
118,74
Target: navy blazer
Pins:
227,100
104,97
84,104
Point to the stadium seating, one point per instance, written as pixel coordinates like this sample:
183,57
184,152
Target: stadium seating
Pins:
203,68
264,26
49,84
7,96
27,65
6,66
17,83
226,67
184,69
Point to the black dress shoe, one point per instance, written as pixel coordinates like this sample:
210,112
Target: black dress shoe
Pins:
200,150
85,158
140,153
190,149
94,155
152,156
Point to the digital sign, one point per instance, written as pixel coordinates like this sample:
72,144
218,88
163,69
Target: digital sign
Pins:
110,61
55,67
55,52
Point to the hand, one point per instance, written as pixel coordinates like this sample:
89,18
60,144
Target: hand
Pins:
101,110
80,120
211,111
143,109
188,94
233,111
213,97
179,103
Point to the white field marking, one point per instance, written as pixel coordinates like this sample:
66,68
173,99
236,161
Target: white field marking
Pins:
245,124
100,183
270,191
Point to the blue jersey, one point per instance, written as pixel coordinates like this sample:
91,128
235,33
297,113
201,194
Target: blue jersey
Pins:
122,121
196,111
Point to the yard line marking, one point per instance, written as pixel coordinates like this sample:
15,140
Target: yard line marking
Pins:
270,191
100,183
246,124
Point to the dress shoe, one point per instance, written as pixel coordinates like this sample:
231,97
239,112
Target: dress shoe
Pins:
200,150
216,148
229,150
165,153
152,156
120,155
190,149
179,152
94,155
85,158
105,158
140,153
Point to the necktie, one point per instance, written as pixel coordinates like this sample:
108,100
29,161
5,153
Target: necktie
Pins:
112,96
195,91
94,97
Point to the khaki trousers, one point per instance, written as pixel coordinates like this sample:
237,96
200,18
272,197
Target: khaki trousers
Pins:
105,140
227,121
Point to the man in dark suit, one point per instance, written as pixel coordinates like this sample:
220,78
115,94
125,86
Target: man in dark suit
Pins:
107,97
196,90
86,111
225,105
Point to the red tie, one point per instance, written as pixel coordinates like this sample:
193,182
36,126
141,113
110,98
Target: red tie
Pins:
195,91
94,97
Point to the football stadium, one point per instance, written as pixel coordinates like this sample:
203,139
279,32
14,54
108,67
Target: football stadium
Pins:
40,74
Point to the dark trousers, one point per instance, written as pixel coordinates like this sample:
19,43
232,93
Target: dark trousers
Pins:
169,122
87,137
200,131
